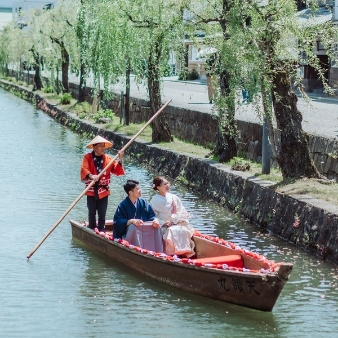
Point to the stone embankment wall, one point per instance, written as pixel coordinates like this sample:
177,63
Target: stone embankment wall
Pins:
201,128
308,223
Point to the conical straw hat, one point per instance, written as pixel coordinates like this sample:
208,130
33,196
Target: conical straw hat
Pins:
99,139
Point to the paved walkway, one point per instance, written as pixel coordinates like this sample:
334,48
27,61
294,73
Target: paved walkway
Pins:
320,116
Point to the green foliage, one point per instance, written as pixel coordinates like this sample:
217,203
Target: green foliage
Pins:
334,156
239,164
136,34
48,89
167,70
185,75
251,53
11,79
106,113
181,178
66,98
82,110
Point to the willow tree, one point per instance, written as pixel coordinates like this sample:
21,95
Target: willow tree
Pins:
159,26
260,49
19,43
54,31
25,42
4,43
276,40
14,46
105,42
38,50
214,17
81,33
137,35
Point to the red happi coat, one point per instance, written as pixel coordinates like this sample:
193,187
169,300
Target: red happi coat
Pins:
88,167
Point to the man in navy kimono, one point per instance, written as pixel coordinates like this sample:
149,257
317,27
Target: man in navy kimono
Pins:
135,220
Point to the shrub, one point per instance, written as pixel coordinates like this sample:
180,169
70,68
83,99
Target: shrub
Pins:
48,89
193,75
103,113
239,164
167,70
182,75
65,98
82,109
185,75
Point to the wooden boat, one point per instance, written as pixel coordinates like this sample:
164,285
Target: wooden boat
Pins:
221,270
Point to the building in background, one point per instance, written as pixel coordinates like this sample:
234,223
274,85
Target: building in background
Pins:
26,5
11,9
5,12
328,11
20,7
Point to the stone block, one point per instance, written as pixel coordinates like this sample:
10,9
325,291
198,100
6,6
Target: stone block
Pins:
316,159
251,147
327,164
321,144
258,148
333,165
330,145
104,120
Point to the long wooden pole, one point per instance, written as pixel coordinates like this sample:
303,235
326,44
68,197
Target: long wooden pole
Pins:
93,182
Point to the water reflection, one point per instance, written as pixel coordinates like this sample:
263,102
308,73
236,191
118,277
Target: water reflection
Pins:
139,300
69,290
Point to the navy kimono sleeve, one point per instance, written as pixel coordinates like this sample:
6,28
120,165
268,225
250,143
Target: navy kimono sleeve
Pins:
124,212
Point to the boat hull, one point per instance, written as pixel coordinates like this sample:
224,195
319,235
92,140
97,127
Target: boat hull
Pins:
254,290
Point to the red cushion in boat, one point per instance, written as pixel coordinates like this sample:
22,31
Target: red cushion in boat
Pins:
231,260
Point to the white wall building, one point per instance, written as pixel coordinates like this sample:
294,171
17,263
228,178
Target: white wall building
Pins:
5,12
26,5
10,9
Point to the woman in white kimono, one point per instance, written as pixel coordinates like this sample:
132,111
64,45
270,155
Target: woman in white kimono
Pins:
174,220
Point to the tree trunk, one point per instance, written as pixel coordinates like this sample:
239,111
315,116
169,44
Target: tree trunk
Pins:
64,63
82,85
37,82
65,68
80,33
267,109
96,101
160,127
294,155
37,85
127,100
57,82
226,147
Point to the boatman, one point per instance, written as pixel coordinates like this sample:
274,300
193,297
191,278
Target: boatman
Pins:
92,165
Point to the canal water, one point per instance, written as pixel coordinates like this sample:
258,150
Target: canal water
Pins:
68,290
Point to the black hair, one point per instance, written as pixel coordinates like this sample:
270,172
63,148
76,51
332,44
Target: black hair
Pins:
157,181
130,185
